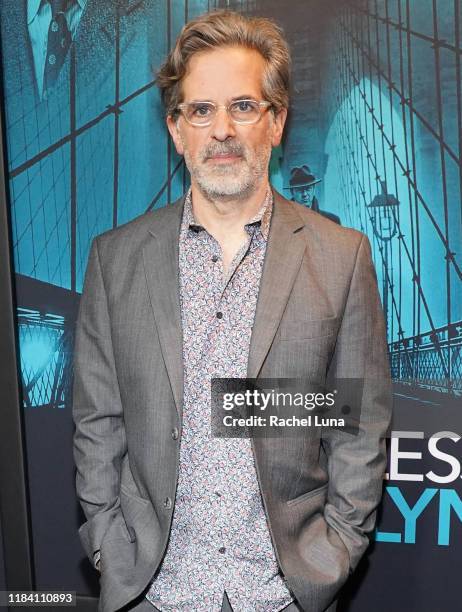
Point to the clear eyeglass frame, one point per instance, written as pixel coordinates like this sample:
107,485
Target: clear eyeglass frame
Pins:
214,108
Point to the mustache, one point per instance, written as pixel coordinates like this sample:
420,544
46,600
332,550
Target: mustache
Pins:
223,148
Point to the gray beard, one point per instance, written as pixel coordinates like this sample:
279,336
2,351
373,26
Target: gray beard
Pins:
224,183
230,182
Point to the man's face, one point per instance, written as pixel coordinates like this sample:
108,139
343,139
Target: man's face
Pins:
303,195
225,159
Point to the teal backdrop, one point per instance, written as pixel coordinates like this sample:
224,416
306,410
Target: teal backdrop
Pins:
376,115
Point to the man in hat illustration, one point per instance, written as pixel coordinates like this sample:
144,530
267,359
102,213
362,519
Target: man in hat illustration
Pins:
302,189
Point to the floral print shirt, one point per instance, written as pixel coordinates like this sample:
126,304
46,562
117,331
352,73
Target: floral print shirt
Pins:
219,538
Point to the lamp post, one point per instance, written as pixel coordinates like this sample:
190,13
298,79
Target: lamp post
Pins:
385,226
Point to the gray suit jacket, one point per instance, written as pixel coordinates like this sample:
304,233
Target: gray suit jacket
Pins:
318,313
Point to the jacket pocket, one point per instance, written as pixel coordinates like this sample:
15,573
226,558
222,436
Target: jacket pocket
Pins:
307,495
117,530
136,511
299,329
133,496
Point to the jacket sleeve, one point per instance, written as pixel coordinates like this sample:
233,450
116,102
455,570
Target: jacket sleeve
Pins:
99,439
357,462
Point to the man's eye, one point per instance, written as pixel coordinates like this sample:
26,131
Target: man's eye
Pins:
243,106
201,110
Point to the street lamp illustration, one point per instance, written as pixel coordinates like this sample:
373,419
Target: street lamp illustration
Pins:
382,213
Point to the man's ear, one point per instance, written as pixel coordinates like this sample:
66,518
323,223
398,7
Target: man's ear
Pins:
278,126
172,125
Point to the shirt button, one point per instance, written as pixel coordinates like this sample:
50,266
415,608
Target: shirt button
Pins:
52,59
168,502
175,433
222,550
54,26
215,258
219,315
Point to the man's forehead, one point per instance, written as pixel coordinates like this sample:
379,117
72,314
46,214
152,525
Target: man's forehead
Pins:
226,72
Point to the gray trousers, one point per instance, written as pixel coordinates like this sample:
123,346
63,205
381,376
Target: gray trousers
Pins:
145,606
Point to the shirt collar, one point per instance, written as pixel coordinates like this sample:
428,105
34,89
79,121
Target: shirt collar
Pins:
261,218
33,7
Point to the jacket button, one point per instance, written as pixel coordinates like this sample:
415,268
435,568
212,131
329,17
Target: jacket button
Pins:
168,502
175,433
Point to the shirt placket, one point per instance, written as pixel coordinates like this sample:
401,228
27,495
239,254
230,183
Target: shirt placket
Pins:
213,366
207,369
226,301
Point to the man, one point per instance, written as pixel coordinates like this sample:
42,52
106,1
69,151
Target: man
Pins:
302,185
230,281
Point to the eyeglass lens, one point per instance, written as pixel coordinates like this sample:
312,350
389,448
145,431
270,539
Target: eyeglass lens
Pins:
241,111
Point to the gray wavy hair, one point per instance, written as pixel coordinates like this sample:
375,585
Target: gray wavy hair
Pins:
224,29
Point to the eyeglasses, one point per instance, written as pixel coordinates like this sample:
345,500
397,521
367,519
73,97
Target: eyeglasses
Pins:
243,112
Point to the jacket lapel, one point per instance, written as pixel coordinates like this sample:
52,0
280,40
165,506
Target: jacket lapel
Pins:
160,257
284,253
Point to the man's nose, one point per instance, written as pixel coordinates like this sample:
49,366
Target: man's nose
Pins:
222,125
